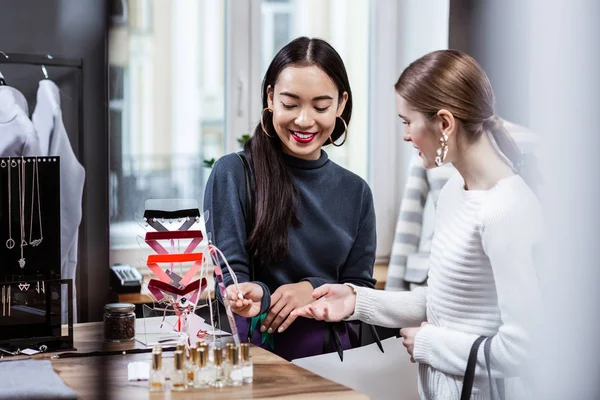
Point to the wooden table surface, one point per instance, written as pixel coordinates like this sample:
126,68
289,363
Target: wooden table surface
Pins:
94,377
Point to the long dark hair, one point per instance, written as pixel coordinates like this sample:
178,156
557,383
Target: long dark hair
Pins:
275,192
453,80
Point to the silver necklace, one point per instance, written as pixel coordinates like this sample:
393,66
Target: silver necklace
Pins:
35,184
10,243
22,209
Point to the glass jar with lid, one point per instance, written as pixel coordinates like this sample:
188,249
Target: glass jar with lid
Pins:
119,322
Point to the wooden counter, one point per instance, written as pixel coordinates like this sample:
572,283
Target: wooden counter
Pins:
95,377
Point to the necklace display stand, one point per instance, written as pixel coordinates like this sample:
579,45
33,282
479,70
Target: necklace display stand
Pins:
30,277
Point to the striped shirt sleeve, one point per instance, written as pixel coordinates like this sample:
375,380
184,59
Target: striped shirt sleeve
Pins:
409,225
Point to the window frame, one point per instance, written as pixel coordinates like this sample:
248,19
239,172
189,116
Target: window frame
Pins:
386,164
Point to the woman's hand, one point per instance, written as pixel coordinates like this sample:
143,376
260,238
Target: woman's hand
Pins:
335,302
249,305
285,300
408,339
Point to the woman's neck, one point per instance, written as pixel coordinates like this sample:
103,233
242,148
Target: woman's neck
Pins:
480,165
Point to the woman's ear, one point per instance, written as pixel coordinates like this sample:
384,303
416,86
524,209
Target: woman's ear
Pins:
342,105
270,97
446,123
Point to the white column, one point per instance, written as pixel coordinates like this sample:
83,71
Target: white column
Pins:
398,37
185,94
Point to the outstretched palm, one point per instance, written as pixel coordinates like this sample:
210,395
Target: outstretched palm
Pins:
335,302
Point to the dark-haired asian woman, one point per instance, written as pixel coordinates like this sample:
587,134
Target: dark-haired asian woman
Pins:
313,221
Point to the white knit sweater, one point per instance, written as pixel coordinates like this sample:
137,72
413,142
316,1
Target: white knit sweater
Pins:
413,234
482,281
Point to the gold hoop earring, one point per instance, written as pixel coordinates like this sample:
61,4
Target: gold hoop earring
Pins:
345,134
262,124
442,151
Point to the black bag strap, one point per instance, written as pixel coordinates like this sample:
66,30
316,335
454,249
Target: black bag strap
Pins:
331,333
469,377
249,219
249,202
499,382
375,336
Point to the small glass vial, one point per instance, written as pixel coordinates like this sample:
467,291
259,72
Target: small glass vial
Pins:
219,375
208,352
247,368
178,377
157,375
205,372
235,375
119,322
191,366
178,347
228,363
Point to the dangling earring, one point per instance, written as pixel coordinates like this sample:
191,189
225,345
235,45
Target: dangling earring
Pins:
442,151
262,124
345,133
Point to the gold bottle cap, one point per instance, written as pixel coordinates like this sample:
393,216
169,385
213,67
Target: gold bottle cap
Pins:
156,359
181,347
218,355
235,355
202,356
178,359
245,350
201,343
229,352
194,356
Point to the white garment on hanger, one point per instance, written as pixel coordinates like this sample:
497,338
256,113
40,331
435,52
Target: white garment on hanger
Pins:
43,115
47,118
17,134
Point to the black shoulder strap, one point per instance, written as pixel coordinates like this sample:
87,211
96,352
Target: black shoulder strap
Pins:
249,201
469,377
499,382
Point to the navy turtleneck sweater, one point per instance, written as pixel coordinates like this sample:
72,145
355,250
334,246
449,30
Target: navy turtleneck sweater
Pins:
335,242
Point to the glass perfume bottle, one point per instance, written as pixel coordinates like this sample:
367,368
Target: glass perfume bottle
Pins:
157,375
191,367
219,376
204,372
178,377
206,346
247,367
235,374
228,363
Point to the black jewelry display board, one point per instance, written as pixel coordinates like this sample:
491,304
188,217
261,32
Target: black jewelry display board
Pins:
30,218
30,268
30,315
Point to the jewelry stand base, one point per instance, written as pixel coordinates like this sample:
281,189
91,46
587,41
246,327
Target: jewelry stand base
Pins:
31,316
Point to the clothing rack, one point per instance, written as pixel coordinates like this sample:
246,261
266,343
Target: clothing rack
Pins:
40,59
49,60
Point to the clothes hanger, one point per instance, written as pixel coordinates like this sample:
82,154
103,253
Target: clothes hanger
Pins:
2,81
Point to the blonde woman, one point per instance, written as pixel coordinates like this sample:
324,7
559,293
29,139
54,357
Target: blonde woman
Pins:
482,278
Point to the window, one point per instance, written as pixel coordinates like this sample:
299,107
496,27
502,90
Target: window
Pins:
167,110
346,26
185,84
168,115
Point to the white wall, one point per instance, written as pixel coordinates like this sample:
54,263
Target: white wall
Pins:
405,30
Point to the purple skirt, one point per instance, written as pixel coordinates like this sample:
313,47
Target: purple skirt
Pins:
303,338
